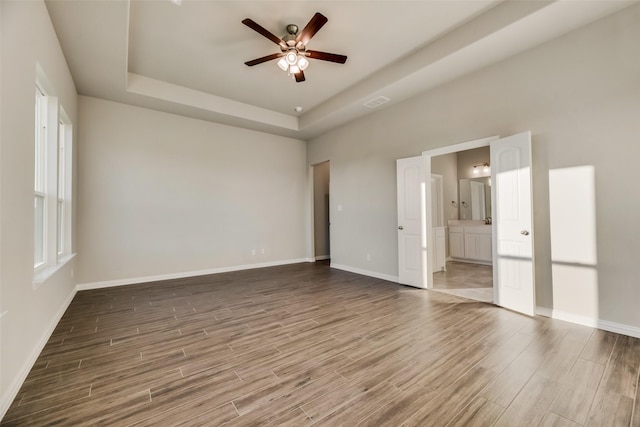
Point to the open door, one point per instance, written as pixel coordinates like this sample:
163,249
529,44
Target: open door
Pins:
412,239
513,273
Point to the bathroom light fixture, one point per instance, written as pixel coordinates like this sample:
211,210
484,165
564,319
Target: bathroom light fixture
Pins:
485,168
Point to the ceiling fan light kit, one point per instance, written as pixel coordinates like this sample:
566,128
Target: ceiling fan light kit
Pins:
293,47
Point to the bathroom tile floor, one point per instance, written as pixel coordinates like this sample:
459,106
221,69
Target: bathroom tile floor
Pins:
463,279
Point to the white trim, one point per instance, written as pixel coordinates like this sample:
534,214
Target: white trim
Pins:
44,272
369,273
322,257
618,328
156,278
463,146
14,388
471,261
544,311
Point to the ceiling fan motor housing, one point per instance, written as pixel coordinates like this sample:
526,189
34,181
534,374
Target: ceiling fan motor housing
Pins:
292,29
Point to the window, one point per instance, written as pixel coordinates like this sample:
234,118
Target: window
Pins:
39,183
61,179
52,186
63,236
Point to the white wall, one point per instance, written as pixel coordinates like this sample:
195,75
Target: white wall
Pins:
580,97
321,176
27,37
162,194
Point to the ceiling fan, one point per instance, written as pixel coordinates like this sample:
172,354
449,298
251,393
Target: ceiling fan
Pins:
293,47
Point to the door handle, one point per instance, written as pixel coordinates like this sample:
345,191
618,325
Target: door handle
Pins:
400,227
525,232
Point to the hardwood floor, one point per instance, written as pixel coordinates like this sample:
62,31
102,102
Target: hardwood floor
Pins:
303,344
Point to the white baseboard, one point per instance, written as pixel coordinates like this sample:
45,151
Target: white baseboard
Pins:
322,257
14,388
470,261
366,272
182,275
605,325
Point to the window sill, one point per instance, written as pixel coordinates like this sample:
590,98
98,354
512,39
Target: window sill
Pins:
44,273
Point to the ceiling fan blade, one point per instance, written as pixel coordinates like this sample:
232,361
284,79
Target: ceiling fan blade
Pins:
300,76
324,56
264,59
312,28
260,29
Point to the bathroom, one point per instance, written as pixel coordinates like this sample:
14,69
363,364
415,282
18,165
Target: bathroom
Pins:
461,217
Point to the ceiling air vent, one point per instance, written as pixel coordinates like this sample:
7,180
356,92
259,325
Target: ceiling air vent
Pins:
376,102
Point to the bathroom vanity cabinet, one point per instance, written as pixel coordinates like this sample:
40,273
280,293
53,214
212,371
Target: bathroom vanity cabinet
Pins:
470,241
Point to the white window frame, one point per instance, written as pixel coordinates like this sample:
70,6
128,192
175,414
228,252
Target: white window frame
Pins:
52,186
65,161
40,182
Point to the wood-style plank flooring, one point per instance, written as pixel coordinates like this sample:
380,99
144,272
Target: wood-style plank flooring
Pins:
307,345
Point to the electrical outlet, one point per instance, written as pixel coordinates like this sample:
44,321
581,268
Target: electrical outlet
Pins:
368,257
253,251
262,251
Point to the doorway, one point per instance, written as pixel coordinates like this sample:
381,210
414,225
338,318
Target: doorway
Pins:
321,220
467,270
511,237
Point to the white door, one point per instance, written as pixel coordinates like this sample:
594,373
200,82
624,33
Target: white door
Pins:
412,239
513,243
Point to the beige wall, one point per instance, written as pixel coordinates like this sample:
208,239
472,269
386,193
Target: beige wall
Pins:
27,38
580,97
467,159
162,194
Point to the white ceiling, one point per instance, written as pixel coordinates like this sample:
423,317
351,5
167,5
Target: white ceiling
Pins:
189,59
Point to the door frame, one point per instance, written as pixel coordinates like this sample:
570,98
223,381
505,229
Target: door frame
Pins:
311,249
463,146
440,209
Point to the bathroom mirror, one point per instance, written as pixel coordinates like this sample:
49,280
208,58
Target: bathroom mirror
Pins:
475,198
